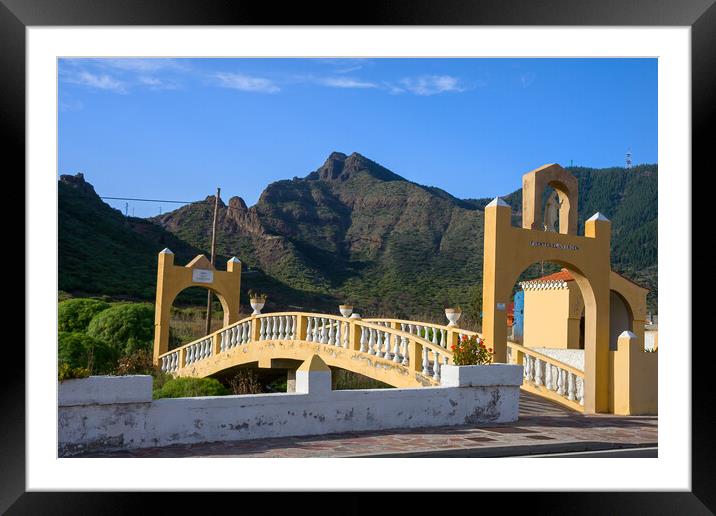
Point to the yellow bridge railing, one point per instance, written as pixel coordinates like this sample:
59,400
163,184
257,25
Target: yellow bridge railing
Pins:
403,346
543,375
417,346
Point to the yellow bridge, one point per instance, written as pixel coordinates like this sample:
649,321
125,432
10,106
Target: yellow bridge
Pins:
397,352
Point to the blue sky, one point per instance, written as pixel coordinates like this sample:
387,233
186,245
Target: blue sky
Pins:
178,128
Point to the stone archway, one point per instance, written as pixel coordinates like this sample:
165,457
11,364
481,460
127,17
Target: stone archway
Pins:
566,186
173,279
510,250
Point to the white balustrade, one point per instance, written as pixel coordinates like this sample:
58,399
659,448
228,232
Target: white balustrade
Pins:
309,329
170,362
436,365
560,379
571,387
384,340
396,348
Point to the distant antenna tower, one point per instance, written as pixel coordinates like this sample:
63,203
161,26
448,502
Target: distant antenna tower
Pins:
628,159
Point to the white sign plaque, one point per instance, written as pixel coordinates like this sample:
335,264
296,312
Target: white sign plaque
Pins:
500,306
202,276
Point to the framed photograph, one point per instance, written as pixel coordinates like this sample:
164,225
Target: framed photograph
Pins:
410,90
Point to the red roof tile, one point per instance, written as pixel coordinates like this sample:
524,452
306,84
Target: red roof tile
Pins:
563,275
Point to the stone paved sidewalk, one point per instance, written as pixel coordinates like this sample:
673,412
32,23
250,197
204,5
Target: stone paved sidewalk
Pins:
543,427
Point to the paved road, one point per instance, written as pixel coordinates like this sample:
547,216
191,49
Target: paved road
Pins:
626,453
544,427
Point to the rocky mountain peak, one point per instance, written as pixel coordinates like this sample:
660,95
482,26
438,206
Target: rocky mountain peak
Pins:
340,167
210,199
237,203
78,182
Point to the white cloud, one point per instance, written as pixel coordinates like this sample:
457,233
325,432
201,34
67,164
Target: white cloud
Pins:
242,82
346,82
100,82
430,85
154,83
142,65
346,65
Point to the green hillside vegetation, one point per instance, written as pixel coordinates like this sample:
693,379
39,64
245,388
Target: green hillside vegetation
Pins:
351,231
103,252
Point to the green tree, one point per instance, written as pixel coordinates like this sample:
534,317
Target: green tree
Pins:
79,350
190,387
76,314
127,327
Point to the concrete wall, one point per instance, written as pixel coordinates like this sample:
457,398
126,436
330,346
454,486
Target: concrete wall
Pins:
489,395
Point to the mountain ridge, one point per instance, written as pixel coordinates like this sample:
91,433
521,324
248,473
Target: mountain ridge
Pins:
354,231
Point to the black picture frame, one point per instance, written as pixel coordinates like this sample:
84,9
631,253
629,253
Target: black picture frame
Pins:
17,15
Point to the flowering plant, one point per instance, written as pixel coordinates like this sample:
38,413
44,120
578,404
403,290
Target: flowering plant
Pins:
471,351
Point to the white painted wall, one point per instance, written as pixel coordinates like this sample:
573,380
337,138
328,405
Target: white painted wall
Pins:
571,357
319,411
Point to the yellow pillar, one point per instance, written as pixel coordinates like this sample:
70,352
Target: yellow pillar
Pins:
495,296
161,309
596,316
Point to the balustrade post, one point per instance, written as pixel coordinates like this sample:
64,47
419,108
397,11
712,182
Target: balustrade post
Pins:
255,329
182,358
216,344
353,336
301,323
415,353
452,338
538,372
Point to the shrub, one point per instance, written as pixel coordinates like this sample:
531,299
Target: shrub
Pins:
76,314
245,381
347,380
471,351
127,327
79,350
66,372
159,378
190,387
137,362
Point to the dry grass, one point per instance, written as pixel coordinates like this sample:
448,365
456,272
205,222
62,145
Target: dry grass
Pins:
189,323
245,381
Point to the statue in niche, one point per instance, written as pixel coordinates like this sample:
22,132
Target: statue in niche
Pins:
551,213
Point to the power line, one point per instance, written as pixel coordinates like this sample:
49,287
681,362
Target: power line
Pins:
147,200
126,206
161,200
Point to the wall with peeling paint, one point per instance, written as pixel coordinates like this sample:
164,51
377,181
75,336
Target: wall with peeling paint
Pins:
313,410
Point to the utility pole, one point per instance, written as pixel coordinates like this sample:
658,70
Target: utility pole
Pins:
213,249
